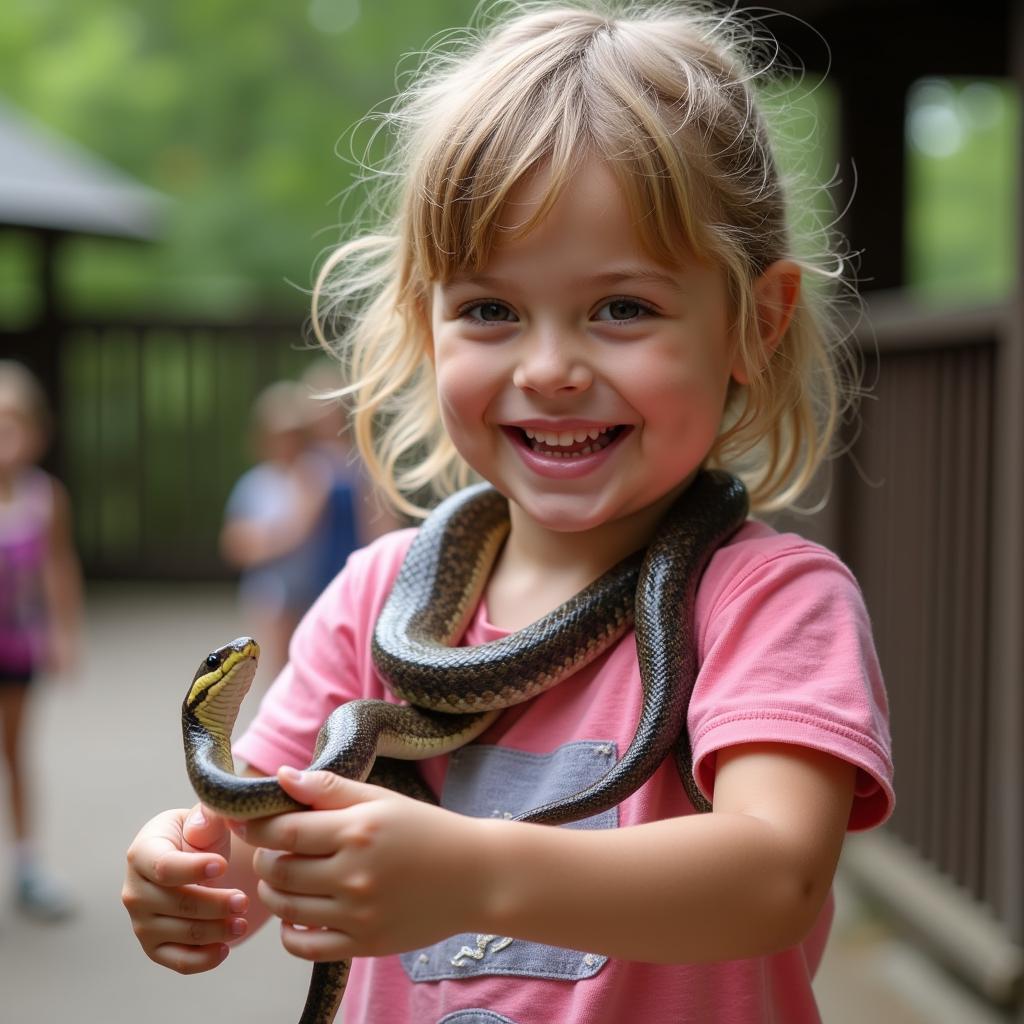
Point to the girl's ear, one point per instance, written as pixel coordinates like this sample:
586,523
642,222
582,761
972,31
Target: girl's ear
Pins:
776,293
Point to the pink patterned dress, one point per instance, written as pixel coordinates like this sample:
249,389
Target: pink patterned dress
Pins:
25,523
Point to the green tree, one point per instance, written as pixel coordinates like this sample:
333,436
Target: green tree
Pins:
233,108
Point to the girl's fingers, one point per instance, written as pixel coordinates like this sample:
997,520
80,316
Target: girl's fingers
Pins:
189,959
301,831
310,876
319,944
180,922
173,868
190,902
313,911
327,791
157,855
205,831
304,832
184,932
202,903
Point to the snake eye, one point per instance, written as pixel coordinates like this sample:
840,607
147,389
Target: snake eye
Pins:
213,660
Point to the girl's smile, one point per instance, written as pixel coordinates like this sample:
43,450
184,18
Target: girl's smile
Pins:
562,450
583,379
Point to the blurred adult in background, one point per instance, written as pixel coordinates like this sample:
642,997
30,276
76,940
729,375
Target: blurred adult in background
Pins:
271,513
352,515
40,609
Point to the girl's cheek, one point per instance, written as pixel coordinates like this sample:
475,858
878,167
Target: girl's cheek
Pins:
462,383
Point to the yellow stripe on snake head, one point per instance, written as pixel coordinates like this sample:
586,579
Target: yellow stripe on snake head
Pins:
220,683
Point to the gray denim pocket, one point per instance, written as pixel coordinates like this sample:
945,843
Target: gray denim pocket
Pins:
499,782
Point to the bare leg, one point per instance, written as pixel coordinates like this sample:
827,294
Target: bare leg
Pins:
37,894
13,703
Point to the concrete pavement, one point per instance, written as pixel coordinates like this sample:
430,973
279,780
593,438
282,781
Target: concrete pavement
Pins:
116,728
121,762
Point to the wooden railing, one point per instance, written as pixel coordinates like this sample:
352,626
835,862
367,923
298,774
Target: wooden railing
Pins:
927,510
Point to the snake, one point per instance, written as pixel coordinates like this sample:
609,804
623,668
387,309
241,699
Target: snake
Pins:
453,693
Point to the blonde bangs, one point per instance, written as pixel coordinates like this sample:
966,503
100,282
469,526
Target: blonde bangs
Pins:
572,101
502,132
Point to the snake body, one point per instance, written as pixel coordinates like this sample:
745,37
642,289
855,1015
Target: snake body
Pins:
455,693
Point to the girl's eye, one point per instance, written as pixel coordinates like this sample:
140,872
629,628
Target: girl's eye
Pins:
489,312
621,309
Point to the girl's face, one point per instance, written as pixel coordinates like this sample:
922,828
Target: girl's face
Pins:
584,380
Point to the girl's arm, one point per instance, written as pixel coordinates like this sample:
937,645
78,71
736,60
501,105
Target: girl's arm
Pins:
375,873
247,542
746,880
62,581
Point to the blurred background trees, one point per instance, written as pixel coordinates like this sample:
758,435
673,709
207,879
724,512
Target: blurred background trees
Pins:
242,111
231,107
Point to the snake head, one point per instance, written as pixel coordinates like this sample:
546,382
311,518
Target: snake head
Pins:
221,681
222,657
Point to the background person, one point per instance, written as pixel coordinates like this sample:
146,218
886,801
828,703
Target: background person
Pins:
40,611
353,513
271,512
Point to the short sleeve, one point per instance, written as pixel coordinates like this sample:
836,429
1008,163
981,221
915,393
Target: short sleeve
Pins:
329,660
786,656
241,500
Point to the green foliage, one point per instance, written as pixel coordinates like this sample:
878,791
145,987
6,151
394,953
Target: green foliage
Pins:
963,165
232,108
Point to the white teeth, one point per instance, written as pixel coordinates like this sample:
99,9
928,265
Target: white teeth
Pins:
565,438
573,455
548,441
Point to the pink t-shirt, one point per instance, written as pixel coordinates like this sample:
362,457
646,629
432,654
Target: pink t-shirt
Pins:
785,655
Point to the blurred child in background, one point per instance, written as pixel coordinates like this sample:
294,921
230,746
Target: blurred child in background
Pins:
352,515
293,519
270,515
40,608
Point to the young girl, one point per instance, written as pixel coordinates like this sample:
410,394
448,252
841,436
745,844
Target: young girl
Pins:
40,598
586,293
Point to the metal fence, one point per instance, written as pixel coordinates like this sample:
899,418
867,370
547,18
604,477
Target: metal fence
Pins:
154,432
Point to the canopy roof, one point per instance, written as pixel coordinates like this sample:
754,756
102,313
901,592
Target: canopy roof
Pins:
50,183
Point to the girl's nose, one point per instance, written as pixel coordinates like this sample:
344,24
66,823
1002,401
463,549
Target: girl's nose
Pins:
550,363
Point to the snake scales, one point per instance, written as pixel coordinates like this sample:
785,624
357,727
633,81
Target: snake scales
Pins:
454,693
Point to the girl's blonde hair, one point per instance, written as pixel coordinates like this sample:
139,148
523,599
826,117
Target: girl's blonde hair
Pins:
666,99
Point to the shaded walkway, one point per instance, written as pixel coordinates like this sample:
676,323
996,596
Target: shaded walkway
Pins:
142,648
118,729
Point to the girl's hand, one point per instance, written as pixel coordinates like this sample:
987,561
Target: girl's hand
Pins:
180,920
366,872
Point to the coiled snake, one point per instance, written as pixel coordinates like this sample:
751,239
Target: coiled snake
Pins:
454,693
